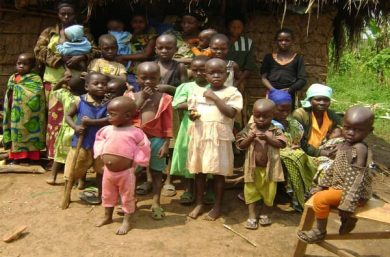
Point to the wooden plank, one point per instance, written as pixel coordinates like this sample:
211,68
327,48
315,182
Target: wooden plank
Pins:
333,249
359,236
306,223
373,210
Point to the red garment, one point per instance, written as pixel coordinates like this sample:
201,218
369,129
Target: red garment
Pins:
33,155
161,126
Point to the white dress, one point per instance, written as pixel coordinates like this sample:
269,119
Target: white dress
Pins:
210,145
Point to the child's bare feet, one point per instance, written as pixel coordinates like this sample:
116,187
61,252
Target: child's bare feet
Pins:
214,214
107,217
51,180
197,211
125,227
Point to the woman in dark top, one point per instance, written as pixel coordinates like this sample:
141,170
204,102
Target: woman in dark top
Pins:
284,69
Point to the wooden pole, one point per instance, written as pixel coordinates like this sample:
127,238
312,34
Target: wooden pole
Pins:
240,235
70,182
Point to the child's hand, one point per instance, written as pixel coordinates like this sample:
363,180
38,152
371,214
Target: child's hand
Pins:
83,75
79,130
328,153
194,115
147,92
164,150
209,94
74,60
67,75
252,133
262,136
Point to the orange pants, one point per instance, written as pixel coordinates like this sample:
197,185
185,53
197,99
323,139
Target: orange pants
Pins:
324,200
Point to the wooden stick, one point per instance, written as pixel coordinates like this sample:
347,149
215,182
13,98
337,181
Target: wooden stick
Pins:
240,235
69,184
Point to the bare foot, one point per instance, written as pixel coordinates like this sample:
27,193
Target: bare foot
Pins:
198,210
122,230
50,180
105,221
214,214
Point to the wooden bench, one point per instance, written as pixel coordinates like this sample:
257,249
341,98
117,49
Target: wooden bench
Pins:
374,210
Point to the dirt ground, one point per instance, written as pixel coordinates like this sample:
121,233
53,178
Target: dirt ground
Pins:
25,199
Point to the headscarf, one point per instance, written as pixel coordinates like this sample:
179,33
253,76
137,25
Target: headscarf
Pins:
316,90
279,96
74,33
198,14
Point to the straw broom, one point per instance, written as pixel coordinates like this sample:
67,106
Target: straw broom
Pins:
69,184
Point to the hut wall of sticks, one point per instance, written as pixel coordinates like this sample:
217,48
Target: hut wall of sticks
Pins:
314,22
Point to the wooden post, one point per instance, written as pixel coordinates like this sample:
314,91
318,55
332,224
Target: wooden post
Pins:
305,224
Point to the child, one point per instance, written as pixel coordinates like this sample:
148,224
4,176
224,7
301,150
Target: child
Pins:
284,69
66,91
347,183
210,145
107,64
241,48
121,147
263,168
179,157
172,72
115,88
116,28
24,116
155,119
91,115
219,46
203,47
76,44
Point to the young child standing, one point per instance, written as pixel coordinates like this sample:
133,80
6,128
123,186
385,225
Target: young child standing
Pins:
122,147
115,88
66,91
154,117
263,168
219,46
179,157
91,114
210,145
284,69
347,183
24,115
107,64
203,47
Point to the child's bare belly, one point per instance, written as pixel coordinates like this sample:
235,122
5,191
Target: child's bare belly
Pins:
261,156
116,163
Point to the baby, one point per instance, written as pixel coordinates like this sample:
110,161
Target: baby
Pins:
116,28
263,168
122,147
204,42
347,183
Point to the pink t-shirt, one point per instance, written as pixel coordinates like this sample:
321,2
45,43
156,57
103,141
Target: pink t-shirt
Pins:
129,142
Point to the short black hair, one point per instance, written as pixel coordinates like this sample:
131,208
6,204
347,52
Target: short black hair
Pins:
219,36
68,3
107,37
93,73
284,30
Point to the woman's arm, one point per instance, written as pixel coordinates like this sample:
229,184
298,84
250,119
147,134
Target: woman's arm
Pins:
42,53
301,76
145,55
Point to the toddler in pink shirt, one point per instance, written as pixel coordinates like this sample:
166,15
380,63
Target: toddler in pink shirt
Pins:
122,147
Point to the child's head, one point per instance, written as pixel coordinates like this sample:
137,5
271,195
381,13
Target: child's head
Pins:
219,46
198,68
263,113
74,33
121,111
357,124
284,39
205,37
108,46
148,74
166,47
216,73
235,27
96,84
115,25
76,85
283,104
116,88
25,63
138,23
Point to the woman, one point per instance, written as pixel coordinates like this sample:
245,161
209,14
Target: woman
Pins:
46,53
298,166
191,24
142,43
318,121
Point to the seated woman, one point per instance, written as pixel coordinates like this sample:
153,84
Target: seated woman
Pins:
318,121
299,168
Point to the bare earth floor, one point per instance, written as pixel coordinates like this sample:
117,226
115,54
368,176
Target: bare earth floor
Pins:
25,199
